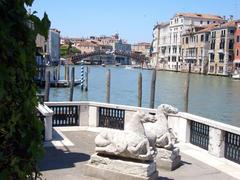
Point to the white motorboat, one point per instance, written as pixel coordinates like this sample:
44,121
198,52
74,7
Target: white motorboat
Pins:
128,67
236,76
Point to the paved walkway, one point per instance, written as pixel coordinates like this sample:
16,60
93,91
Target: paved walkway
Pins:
67,158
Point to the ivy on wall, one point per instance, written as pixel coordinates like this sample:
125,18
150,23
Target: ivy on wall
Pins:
20,130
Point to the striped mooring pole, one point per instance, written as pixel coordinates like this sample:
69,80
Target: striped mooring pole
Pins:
82,75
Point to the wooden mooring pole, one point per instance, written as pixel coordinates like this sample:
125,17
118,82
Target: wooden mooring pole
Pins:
72,84
108,84
68,74
140,90
86,79
152,92
186,89
65,72
47,87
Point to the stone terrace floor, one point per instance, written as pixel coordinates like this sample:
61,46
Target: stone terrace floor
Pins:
73,149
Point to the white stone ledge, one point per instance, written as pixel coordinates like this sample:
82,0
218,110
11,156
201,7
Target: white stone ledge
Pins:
211,123
98,104
44,110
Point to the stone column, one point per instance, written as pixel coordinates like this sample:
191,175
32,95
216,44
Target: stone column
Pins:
93,116
83,115
216,142
48,128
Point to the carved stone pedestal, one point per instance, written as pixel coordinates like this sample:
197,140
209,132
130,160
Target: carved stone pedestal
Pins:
107,168
168,159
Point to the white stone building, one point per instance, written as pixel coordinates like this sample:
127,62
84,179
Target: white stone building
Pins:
167,38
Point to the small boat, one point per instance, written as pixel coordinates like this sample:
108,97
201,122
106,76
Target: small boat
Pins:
117,64
236,76
128,67
103,65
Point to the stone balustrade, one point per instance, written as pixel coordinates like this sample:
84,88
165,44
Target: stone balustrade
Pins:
219,139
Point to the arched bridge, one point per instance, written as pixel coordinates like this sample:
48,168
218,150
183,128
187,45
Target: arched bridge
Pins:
140,58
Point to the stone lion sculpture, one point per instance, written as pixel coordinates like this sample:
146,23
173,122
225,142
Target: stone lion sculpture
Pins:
130,143
159,132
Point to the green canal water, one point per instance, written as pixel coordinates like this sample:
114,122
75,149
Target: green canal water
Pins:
213,97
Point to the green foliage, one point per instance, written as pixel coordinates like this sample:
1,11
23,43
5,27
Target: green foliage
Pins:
20,130
65,50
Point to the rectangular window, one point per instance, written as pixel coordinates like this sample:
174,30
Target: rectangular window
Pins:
223,32
238,39
231,31
220,69
202,38
206,37
222,44
231,44
212,44
211,68
174,59
221,57
211,57
213,34
186,40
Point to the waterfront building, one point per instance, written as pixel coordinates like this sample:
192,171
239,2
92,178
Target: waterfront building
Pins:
53,46
142,48
123,47
172,35
161,46
195,45
221,52
87,46
237,47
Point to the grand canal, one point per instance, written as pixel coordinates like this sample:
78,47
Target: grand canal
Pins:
217,98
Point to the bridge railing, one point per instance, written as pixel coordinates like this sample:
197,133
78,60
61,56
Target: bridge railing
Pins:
219,139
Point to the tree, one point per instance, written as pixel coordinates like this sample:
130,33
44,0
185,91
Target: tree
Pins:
20,130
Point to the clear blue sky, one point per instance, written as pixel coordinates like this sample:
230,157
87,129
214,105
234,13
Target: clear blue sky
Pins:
132,19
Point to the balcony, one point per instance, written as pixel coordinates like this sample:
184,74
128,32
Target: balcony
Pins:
210,51
221,51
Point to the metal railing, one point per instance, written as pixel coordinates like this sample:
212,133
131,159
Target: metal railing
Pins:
67,115
111,118
232,147
199,134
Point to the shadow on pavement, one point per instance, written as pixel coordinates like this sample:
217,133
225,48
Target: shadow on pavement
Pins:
60,159
163,178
